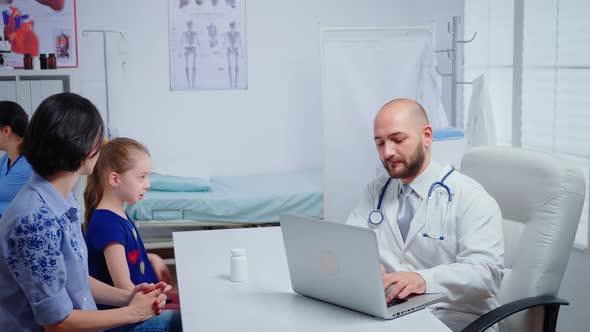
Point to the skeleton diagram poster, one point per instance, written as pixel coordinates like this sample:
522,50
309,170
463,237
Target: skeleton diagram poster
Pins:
39,27
207,44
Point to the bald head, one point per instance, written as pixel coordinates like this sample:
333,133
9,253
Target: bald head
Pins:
403,138
407,109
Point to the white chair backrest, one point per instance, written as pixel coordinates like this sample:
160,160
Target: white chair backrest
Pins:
541,198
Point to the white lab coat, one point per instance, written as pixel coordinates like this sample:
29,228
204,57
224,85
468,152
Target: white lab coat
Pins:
467,266
417,70
480,129
429,87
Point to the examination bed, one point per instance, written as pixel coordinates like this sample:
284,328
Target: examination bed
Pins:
225,202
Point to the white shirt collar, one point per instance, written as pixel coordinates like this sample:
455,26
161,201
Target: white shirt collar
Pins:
421,184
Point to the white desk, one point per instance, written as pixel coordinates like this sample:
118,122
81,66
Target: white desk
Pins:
266,302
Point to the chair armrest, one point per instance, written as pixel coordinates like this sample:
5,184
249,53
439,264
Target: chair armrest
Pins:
551,304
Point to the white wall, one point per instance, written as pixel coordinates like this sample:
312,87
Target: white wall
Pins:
272,126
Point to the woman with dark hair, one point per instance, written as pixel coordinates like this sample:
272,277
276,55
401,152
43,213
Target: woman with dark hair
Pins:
14,168
44,260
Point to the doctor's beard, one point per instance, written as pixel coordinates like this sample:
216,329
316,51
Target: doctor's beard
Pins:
411,165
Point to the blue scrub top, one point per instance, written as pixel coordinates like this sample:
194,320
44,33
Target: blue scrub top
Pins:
12,179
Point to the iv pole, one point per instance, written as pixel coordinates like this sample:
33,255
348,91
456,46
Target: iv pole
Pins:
106,71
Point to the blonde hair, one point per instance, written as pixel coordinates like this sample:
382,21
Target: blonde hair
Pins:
115,156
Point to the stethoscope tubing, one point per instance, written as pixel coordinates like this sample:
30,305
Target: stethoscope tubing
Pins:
376,216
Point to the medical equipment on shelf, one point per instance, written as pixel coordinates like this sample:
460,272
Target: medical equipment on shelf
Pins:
376,216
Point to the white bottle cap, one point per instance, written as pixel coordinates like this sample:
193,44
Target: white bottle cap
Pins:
238,252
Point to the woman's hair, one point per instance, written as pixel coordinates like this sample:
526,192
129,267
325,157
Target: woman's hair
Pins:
118,156
64,130
14,116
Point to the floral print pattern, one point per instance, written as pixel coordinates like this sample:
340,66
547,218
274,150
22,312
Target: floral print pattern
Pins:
36,245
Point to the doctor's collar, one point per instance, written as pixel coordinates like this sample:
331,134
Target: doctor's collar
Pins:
421,184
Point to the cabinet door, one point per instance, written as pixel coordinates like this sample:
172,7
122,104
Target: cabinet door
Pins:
33,92
7,89
29,92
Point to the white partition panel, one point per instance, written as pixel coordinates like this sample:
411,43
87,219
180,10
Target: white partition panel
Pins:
361,70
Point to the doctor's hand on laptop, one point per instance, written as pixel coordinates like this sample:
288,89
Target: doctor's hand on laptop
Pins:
402,284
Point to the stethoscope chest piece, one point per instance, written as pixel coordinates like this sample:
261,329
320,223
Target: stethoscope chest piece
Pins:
376,217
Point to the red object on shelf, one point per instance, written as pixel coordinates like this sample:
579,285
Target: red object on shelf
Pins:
28,61
51,61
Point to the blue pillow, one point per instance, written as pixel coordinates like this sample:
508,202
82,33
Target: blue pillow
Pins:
441,134
162,182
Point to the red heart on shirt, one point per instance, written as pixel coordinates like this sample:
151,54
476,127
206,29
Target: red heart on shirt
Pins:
132,256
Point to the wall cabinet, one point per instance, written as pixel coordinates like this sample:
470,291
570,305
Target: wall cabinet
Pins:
30,87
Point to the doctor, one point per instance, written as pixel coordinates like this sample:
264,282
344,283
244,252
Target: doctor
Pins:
438,231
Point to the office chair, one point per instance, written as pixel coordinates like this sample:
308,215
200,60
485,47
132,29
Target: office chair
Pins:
541,198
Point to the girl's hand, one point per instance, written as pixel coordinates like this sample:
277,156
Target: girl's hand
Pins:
172,301
162,271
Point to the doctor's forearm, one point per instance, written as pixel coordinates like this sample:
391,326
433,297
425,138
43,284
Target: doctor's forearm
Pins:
481,280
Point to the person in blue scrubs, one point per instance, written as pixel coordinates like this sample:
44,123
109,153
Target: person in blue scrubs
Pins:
14,168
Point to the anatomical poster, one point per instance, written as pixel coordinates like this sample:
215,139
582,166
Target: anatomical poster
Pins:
207,44
39,27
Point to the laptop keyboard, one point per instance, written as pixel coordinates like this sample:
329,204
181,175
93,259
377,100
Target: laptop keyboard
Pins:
394,302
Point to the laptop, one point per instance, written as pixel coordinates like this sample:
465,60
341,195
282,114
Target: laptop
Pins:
339,264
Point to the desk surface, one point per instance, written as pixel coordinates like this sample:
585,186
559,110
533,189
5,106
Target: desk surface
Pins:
266,302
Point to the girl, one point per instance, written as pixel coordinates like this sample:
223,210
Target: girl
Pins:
14,168
116,252
44,264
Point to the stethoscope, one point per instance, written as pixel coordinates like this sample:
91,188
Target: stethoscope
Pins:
376,216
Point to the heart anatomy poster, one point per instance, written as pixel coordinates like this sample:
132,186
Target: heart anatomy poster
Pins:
38,27
207,44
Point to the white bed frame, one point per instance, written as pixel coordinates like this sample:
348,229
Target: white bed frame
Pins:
169,226
161,242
